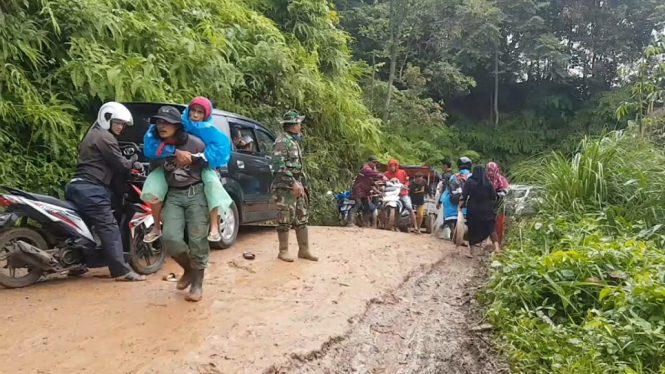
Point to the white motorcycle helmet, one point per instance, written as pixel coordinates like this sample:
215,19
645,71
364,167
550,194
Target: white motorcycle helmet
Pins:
113,111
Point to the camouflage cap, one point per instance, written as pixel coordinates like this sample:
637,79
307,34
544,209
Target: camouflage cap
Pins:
292,117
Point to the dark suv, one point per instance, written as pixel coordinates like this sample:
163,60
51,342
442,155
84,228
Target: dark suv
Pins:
247,177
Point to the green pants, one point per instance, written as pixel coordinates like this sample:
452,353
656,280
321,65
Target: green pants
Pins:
187,209
291,211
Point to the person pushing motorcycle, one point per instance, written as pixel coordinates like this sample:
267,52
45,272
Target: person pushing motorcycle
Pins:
99,160
362,189
394,172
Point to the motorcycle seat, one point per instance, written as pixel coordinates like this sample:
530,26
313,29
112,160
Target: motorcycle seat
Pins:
42,198
54,201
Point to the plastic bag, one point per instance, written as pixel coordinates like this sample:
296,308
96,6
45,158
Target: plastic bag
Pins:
439,232
154,187
447,233
460,229
215,192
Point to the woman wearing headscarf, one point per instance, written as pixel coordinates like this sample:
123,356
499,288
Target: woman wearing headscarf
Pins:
479,196
501,186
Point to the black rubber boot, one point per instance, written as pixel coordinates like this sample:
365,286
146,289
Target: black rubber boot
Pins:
185,263
196,292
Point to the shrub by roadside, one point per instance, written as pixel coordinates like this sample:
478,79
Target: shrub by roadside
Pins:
581,286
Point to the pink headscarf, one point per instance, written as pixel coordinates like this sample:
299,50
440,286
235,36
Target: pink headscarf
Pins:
203,103
498,181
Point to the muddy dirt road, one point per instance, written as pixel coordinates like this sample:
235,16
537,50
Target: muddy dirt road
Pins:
376,302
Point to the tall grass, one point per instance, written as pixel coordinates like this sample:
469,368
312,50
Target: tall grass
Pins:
618,173
581,286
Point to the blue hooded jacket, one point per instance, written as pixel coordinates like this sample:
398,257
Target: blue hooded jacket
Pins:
218,145
450,209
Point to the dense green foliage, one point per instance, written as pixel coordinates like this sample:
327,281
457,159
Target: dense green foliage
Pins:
514,77
60,59
581,286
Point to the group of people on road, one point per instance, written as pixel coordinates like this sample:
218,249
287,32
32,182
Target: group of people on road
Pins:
183,188
475,195
412,193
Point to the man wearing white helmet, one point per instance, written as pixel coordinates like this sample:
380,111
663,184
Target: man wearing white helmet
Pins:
99,160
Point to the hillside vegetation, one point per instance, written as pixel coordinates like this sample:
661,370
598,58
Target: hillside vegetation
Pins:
581,286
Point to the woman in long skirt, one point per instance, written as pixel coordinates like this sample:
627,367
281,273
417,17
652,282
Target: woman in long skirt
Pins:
479,196
501,186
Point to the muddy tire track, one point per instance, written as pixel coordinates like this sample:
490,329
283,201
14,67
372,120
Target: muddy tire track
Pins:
420,327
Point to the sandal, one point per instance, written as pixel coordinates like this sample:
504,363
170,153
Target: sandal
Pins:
214,237
74,273
151,237
170,277
131,277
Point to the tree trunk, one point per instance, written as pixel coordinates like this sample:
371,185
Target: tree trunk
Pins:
491,96
640,98
393,62
391,80
496,87
401,68
371,94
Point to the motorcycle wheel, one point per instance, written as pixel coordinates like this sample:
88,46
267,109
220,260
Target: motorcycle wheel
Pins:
391,214
29,236
359,220
153,253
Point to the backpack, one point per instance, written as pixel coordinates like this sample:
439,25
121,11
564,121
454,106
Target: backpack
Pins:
455,187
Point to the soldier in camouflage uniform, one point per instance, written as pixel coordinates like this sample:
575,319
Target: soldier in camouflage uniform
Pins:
289,188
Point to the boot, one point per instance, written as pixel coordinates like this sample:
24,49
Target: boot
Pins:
185,263
283,237
196,292
303,245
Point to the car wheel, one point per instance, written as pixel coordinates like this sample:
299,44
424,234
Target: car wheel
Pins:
229,223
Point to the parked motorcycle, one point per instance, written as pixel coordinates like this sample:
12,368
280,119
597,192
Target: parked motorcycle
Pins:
392,213
344,205
52,237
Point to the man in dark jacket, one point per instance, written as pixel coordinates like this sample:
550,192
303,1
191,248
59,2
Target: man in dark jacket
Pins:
362,187
99,160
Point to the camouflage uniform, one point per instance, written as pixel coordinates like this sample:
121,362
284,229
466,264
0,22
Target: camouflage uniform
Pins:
292,211
287,163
